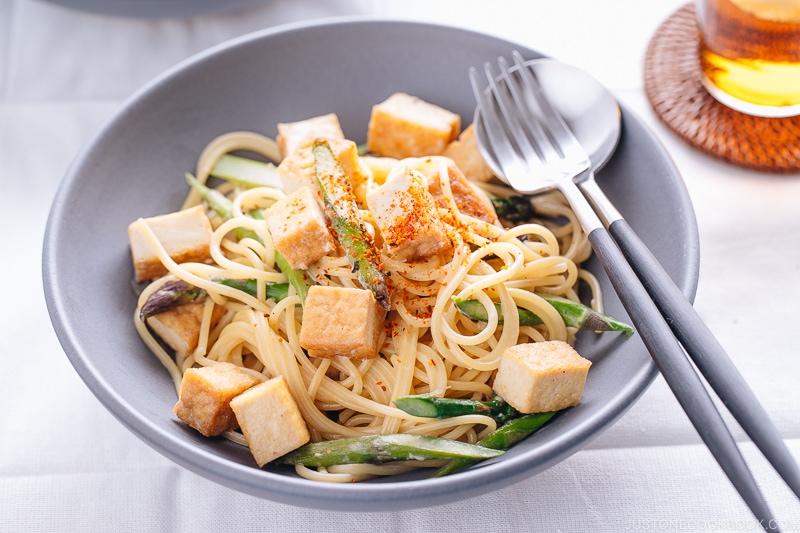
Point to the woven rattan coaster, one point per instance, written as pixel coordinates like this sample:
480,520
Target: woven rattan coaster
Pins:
672,81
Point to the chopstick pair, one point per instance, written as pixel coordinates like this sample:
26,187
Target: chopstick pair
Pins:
709,357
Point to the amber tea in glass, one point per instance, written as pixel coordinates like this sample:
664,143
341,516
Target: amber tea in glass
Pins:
750,54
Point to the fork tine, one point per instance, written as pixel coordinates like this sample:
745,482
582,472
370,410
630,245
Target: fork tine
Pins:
517,135
505,155
547,147
516,169
562,137
510,118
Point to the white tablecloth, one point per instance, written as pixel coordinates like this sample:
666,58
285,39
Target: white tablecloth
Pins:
67,465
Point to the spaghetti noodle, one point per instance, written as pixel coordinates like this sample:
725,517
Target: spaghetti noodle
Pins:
427,346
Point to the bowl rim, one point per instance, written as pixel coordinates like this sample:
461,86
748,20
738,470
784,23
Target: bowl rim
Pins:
370,497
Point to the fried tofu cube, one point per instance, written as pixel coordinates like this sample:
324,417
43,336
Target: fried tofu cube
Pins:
294,135
542,376
467,156
297,169
407,217
180,327
299,229
341,321
406,126
468,200
185,235
205,397
270,420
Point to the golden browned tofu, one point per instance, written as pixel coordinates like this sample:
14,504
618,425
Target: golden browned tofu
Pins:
406,126
205,397
294,135
341,321
179,328
541,376
297,169
407,217
467,157
467,199
299,229
270,420
185,235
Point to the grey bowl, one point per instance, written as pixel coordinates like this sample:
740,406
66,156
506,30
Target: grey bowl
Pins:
134,167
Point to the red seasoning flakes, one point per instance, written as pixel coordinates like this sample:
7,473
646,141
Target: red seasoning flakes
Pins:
407,217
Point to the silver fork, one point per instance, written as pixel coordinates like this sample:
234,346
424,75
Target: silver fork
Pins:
536,150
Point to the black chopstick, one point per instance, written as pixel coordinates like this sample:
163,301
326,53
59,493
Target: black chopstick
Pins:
707,353
679,373
699,342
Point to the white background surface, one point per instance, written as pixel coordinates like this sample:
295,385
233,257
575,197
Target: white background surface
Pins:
67,465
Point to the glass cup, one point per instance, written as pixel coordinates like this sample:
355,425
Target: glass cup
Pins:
750,54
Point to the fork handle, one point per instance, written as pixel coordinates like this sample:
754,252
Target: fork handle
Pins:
679,373
707,353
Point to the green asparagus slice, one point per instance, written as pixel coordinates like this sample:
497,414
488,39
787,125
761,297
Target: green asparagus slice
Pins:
428,406
169,296
574,314
580,316
378,449
299,279
475,310
500,439
217,201
514,209
176,293
342,211
246,172
276,291
222,206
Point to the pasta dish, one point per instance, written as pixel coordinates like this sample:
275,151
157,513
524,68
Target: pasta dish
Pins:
340,278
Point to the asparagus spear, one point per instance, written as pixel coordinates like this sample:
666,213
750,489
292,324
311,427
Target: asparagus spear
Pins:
518,209
175,293
342,211
500,439
514,209
222,206
276,291
170,295
246,172
429,406
476,311
581,316
377,449
574,314
298,279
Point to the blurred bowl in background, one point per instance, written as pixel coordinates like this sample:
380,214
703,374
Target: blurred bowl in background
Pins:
156,8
